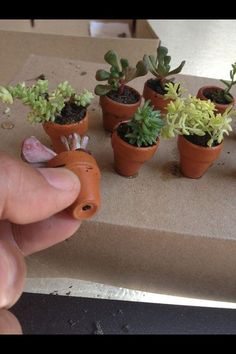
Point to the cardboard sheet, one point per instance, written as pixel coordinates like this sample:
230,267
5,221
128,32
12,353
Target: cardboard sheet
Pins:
159,232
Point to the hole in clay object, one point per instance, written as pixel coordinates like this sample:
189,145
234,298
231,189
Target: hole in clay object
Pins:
86,207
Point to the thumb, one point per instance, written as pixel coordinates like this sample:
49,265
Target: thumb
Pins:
29,195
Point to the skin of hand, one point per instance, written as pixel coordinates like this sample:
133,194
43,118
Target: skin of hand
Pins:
32,218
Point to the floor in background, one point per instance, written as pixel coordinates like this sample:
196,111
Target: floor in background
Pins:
50,314
208,46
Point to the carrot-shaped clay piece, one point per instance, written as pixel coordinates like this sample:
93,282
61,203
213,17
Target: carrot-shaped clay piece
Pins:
78,160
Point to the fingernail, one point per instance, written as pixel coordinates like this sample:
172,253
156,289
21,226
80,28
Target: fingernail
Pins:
12,274
60,178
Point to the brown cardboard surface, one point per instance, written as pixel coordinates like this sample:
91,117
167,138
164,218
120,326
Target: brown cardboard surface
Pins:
70,27
159,232
17,46
144,30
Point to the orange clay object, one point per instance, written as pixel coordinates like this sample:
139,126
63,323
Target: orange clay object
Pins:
157,100
55,131
115,112
220,107
195,159
86,168
128,158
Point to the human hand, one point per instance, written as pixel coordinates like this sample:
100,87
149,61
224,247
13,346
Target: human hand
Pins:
32,201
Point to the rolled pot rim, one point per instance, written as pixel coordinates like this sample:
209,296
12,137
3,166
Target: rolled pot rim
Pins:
134,146
200,146
64,125
124,104
213,87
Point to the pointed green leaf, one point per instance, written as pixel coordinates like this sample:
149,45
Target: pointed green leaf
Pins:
228,98
151,67
112,59
167,60
178,69
102,90
227,83
141,68
161,51
152,60
124,63
129,74
161,69
102,75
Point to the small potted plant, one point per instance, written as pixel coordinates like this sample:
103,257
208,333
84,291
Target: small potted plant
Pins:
159,66
76,158
119,102
199,128
222,98
61,111
136,141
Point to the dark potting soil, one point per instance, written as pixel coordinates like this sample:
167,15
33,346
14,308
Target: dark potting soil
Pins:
200,140
124,129
216,96
128,96
71,113
155,85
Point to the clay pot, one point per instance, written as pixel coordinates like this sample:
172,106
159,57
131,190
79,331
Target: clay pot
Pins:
220,107
115,112
157,100
196,159
128,158
55,131
85,167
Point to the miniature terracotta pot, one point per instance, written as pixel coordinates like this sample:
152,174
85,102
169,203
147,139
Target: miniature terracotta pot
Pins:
115,112
128,158
55,131
157,100
85,167
196,159
220,107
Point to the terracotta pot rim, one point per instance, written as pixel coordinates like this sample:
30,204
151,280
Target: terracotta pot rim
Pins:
199,147
133,147
124,104
66,125
76,151
213,87
156,93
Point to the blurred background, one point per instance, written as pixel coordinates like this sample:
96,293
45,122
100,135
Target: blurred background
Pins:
208,46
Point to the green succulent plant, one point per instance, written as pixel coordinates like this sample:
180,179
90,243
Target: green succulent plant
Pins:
159,65
5,95
192,116
120,74
225,94
45,105
145,126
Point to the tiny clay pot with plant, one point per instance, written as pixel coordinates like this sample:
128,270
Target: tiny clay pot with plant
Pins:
119,102
61,111
77,159
136,141
222,98
200,130
154,88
